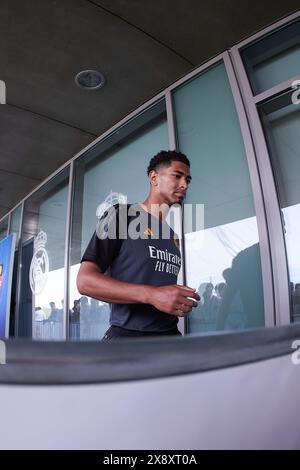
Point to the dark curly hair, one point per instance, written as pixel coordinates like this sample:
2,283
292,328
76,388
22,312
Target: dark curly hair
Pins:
165,157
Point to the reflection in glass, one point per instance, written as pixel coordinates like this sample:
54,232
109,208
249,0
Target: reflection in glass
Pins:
281,120
212,257
273,59
89,318
113,171
222,259
41,306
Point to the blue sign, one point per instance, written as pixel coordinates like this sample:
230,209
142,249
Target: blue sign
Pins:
7,252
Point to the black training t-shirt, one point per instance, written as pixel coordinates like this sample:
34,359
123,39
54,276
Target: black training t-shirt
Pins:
153,260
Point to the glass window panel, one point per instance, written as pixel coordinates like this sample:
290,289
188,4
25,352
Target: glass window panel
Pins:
222,259
281,120
114,169
43,248
273,59
15,222
3,228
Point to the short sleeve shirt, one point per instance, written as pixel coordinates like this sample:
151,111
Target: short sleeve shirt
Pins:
152,259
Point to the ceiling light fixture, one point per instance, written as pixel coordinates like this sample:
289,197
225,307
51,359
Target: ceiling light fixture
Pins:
90,80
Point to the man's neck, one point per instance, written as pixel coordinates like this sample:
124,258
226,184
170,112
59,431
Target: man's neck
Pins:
158,210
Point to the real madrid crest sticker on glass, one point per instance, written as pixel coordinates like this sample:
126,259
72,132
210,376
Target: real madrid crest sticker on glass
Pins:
110,200
39,267
106,215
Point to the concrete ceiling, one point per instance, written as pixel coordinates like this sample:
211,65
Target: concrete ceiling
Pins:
140,46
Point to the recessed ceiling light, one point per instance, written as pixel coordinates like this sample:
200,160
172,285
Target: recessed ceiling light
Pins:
90,79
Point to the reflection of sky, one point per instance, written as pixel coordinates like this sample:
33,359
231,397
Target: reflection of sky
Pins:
211,251
54,290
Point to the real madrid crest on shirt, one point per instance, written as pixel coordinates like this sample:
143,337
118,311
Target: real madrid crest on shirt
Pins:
39,267
149,232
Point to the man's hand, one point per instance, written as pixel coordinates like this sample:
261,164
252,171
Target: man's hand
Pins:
175,300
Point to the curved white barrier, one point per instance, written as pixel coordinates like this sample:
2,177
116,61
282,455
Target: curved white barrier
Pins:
249,406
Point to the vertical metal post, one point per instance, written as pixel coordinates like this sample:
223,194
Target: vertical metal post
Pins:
66,319
19,272
8,224
182,323
170,120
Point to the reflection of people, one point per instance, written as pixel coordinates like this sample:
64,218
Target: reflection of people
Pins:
95,311
75,312
54,314
203,318
75,320
141,285
244,278
85,308
210,306
39,315
220,290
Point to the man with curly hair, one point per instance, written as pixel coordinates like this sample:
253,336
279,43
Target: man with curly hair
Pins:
138,276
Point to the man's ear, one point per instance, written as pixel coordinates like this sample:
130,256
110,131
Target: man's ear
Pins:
153,177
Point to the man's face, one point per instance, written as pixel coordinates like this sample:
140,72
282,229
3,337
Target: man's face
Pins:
171,183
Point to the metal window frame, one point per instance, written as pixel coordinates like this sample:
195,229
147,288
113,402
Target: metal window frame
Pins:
6,216
19,266
19,273
10,220
257,192
271,202
266,264
170,120
68,229
8,224
280,272
182,324
275,90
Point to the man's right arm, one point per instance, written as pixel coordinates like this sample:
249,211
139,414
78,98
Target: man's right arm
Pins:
169,299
